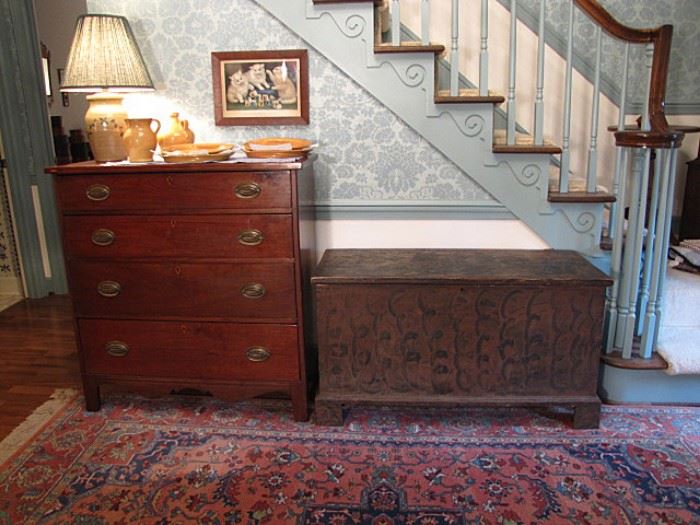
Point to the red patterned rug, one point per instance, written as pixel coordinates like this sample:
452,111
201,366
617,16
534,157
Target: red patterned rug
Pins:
193,460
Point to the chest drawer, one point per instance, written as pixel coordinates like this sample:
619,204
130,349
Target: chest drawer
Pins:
175,191
238,236
183,289
214,351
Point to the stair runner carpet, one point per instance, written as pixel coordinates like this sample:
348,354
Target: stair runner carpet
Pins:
679,335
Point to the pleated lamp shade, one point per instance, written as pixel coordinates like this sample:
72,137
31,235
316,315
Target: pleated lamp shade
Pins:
104,56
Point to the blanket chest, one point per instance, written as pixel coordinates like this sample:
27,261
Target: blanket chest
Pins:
458,327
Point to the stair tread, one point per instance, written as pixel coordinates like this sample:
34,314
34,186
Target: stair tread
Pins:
580,196
409,47
524,143
377,3
468,96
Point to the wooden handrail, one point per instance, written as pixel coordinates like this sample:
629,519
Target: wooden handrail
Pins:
661,38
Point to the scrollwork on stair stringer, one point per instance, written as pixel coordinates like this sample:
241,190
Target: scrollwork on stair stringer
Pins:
344,33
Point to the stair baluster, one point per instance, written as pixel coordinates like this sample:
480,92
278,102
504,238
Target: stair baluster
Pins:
592,175
635,238
565,163
425,22
539,94
617,205
454,51
651,239
657,256
484,50
646,123
395,23
616,258
510,133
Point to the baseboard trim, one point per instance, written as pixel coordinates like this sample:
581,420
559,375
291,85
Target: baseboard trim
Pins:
624,386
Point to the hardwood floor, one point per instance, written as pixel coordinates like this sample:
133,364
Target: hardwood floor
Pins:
37,355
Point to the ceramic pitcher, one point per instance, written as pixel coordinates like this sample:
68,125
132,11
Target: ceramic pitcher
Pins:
179,132
140,138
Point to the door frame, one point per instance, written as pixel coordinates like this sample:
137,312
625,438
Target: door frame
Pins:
28,143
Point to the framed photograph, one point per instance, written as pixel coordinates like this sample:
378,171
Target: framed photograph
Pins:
257,88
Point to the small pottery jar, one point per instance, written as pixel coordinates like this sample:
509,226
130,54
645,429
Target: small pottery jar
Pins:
179,132
140,138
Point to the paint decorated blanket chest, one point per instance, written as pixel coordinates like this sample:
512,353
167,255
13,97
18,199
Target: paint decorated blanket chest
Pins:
458,327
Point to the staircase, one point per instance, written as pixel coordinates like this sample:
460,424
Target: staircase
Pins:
403,76
514,167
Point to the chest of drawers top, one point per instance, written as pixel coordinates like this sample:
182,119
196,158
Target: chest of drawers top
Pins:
86,188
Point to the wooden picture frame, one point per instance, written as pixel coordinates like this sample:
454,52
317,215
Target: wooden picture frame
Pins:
258,88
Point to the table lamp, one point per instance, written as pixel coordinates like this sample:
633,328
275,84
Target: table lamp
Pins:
105,58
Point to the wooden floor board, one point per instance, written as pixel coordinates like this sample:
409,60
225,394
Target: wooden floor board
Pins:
37,356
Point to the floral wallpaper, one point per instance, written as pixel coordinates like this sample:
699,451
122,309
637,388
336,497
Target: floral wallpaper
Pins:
366,153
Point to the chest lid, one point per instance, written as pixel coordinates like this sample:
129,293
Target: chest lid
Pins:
415,266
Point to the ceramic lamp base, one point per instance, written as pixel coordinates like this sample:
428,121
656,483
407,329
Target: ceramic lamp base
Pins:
105,125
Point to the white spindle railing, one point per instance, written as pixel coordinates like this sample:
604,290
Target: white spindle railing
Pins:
650,240
615,207
592,175
634,301
539,94
425,22
510,129
614,308
565,163
454,50
646,124
484,50
395,23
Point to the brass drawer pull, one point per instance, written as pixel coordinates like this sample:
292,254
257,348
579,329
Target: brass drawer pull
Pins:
98,192
257,354
247,190
250,237
103,237
253,291
109,288
117,349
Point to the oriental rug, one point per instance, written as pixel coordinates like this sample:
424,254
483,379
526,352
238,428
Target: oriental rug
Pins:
181,460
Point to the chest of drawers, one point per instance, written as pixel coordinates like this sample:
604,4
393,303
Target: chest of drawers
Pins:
190,276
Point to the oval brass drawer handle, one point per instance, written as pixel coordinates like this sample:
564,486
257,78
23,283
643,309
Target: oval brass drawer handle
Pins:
250,237
257,354
247,190
103,237
117,349
98,192
109,288
253,291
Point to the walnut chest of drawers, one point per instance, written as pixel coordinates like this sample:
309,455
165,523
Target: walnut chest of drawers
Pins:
458,327
190,276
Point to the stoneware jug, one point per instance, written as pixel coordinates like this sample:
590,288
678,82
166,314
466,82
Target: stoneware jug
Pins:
179,132
140,138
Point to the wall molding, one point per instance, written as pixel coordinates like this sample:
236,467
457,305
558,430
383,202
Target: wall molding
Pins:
411,210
